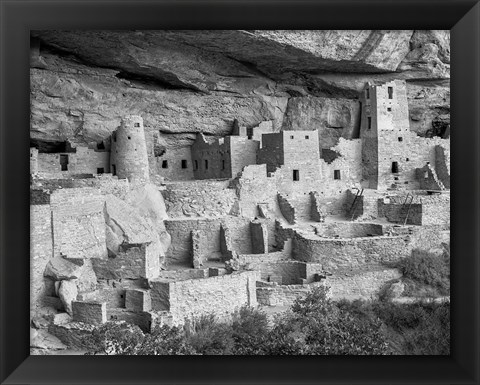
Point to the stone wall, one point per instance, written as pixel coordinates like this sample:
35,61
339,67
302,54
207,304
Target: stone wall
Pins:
272,294
243,152
41,250
287,210
78,223
271,153
219,295
436,210
259,233
180,251
83,161
131,262
174,164
360,284
207,198
347,230
211,158
353,252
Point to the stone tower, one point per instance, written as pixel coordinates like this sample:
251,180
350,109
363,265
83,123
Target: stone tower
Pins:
385,133
128,157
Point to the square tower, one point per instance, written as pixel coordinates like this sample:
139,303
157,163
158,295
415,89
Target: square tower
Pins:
385,133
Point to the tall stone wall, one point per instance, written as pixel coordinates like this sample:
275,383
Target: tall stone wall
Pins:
271,153
41,251
243,152
174,164
78,223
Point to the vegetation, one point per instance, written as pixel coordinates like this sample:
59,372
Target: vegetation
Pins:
427,273
314,325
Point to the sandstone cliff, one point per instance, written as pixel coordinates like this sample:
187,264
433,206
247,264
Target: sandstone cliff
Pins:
184,82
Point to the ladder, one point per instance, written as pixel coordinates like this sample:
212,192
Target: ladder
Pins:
435,177
411,196
354,207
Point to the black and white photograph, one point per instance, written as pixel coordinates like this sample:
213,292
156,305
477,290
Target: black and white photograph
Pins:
240,192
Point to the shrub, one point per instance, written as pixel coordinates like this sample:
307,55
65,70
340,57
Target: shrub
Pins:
206,335
428,268
249,331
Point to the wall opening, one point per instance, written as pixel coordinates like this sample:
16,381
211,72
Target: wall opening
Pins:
369,122
164,163
136,125
196,165
367,93
114,136
223,164
307,137
394,167
114,170
400,139
291,136
390,92
296,175
336,174
64,162
184,163
389,109
101,145
100,170
129,137
206,164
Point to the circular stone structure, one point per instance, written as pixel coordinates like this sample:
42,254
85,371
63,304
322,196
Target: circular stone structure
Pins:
129,157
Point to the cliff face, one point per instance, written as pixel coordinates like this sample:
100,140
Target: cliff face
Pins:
184,82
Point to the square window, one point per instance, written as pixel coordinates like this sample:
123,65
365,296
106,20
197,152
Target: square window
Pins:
400,139
100,170
307,137
129,137
389,109
291,136
336,174
184,163
164,163
136,125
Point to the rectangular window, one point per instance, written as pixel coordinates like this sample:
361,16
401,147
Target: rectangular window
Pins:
390,92
164,163
307,137
367,93
206,164
184,163
400,139
369,122
114,170
196,164
296,175
291,136
100,170
64,162
389,109
223,164
136,125
394,167
336,174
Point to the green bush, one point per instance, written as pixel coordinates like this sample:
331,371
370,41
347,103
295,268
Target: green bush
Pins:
249,331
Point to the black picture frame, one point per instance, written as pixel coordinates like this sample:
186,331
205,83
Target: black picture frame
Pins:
18,17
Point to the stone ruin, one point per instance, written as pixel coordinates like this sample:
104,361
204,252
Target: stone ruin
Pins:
122,232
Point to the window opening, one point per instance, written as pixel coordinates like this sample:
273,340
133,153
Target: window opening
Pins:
184,163
164,163
100,170
336,174
394,167
64,162
390,92
296,175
